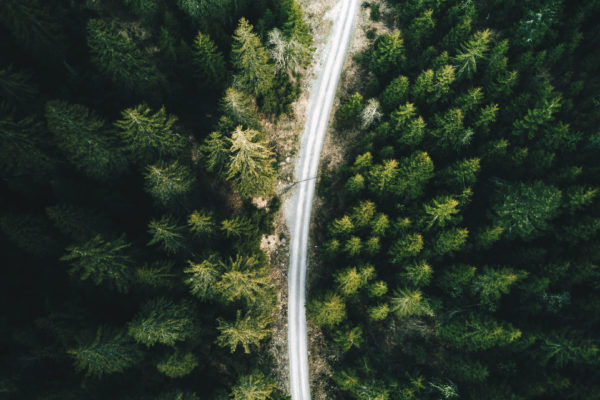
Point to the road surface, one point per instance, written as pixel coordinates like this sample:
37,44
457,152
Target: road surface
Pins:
320,102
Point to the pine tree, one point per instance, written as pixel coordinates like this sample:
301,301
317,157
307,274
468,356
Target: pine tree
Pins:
244,279
167,234
109,352
21,151
353,246
348,115
524,210
441,211
414,172
159,274
478,332
407,246
294,26
418,274
456,280
420,29
250,167
86,139
349,338
150,136
395,93
168,183
209,61
471,53
240,108
424,86
387,55
203,278
251,60
77,223
380,225
238,227
350,280
15,89
247,331
215,153
379,312
160,320
178,365
410,303
450,131
562,348
202,223
341,226
363,213
104,262
450,240
461,173
255,386
31,233
493,282
469,100
355,184
119,59
328,312
383,177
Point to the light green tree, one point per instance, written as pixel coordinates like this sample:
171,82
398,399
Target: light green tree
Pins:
240,108
245,332
418,274
407,246
476,332
215,153
250,164
441,211
349,338
450,240
244,278
472,52
150,136
202,277
202,223
255,386
492,283
328,311
387,55
395,93
410,303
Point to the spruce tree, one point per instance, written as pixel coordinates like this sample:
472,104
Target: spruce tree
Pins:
203,277
328,312
471,53
86,139
104,262
250,164
387,55
107,353
247,331
209,62
245,279
119,59
251,60
168,183
149,136
215,153
160,320
166,233
178,365
255,386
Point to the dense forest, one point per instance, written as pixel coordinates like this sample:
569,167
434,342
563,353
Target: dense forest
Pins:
131,145
461,240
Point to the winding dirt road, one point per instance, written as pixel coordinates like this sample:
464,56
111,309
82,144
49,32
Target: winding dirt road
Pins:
319,108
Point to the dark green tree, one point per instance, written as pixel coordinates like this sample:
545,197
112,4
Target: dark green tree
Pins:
160,320
168,183
166,233
209,62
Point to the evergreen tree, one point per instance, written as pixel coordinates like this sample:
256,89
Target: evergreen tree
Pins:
407,246
119,59
294,26
244,279
208,61
215,153
395,93
420,29
251,60
524,210
202,223
250,167
160,320
472,52
167,234
410,303
456,280
562,348
418,274
104,262
31,233
387,55
348,115
254,386
178,365
240,108
109,352
86,140
203,278
168,183
150,136
247,331
15,89
328,312
450,240
158,274
349,338
441,211
478,332
238,227
493,282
